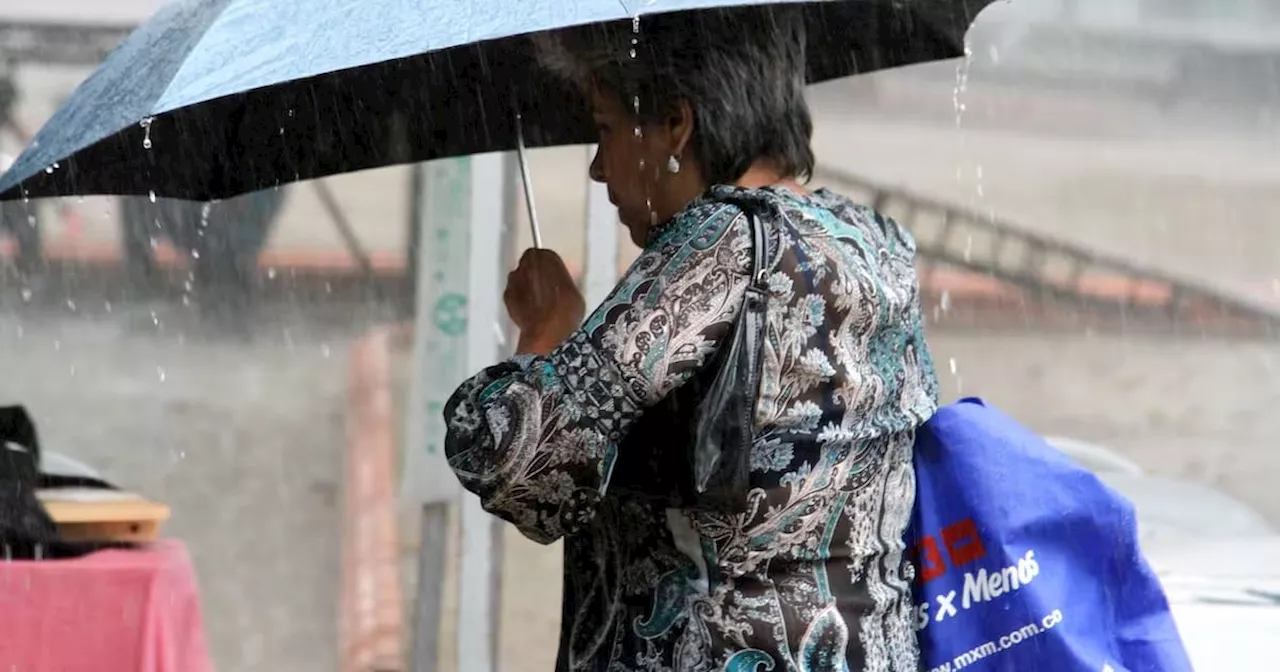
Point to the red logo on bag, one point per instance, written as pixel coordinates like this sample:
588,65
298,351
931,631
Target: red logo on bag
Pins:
963,545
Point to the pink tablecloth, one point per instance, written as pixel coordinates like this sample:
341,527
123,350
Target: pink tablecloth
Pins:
113,611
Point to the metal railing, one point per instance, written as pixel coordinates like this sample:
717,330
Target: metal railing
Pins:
1046,267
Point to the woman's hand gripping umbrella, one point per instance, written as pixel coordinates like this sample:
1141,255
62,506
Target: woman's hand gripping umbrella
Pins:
544,302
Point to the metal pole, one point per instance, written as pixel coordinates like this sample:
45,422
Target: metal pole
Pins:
345,230
441,205
528,184
429,597
476,598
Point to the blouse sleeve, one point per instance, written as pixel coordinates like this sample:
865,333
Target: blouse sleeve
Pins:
537,437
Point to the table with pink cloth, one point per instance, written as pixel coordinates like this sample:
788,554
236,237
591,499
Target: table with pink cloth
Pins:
112,611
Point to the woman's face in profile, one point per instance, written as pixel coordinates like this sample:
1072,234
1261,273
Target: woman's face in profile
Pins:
631,161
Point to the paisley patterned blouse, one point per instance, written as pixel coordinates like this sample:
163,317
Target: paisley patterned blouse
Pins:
813,576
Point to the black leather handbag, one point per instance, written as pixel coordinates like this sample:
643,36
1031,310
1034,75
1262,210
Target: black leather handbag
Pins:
693,449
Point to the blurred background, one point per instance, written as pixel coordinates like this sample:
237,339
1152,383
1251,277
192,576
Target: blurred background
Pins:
1095,192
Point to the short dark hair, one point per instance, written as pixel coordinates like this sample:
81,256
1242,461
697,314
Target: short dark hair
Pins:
741,70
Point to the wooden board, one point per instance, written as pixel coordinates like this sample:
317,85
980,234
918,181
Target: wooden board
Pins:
104,515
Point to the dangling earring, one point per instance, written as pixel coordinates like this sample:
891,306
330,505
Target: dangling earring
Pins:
673,164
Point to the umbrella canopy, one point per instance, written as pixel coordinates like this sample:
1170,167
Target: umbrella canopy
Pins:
214,98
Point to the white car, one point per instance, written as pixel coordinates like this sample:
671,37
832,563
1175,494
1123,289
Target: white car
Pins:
1218,560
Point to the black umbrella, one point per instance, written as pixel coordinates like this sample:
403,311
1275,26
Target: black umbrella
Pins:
216,98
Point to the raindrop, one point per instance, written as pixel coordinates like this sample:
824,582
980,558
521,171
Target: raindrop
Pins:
151,194
204,214
161,374
324,351
31,221
107,306
26,294
962,82
271,273
945,301
146,132
959,380
49,170
71,305
195,254
635,24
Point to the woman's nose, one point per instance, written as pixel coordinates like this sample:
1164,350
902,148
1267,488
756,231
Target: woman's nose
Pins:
596,171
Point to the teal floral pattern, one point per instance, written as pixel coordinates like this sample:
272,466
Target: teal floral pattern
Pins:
812,577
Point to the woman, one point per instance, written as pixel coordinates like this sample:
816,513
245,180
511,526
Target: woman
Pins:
813,576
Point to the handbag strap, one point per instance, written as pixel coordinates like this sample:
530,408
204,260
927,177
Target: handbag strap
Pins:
760,253
761,250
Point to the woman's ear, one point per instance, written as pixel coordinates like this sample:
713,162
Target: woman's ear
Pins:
680,126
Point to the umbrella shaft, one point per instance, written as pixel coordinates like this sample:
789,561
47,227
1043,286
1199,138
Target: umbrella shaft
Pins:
528,186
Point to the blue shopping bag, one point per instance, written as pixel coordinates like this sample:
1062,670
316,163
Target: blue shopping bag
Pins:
1025,560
